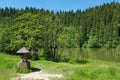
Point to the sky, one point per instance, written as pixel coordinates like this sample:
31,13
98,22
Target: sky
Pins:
56,5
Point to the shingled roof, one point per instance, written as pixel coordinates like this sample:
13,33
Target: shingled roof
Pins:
23,50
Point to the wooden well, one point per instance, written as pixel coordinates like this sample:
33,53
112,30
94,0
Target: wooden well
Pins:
25,55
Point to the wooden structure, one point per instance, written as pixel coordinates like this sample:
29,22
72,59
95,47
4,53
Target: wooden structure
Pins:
25,55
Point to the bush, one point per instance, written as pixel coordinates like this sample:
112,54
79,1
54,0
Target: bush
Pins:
93,42
35,56
64,59
108,44
111,44
82,61
77,61
118,47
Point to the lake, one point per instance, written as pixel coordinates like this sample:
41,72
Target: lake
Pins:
99,53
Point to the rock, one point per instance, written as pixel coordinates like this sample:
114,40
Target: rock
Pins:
23,64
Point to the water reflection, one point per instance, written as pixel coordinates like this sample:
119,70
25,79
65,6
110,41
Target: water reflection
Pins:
102,54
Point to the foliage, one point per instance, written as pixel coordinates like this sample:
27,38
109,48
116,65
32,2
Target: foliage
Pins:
93,42
49,31
35,56
77,61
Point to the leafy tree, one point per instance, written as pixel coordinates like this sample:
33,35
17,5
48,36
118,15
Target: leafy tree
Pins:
48,32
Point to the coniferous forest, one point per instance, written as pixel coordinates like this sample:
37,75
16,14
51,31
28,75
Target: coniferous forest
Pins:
48,31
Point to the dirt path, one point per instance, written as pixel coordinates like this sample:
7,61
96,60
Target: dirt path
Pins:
37,76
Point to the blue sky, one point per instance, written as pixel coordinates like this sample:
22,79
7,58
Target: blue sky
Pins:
55,5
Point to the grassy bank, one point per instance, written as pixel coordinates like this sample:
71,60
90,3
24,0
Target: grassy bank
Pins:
8,66
92,70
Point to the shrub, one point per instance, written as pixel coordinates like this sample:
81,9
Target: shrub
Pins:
118,47
35,56
78,61
93,42
64,59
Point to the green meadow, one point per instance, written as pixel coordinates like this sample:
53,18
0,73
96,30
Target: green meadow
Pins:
8,66
72,69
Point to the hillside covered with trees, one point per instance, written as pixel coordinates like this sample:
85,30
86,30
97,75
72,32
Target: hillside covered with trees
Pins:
49,31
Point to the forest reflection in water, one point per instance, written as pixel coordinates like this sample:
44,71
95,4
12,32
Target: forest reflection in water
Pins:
93,53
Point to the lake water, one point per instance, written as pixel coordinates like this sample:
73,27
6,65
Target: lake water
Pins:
102,54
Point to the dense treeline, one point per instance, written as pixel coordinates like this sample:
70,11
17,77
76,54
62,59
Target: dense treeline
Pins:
47,31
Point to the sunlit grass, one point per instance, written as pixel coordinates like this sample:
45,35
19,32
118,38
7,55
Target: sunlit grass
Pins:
71,70
97,70
93,70
8,66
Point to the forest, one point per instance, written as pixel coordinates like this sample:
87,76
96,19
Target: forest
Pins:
46,33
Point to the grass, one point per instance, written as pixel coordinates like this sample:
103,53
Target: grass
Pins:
75,69
7,66
97,70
